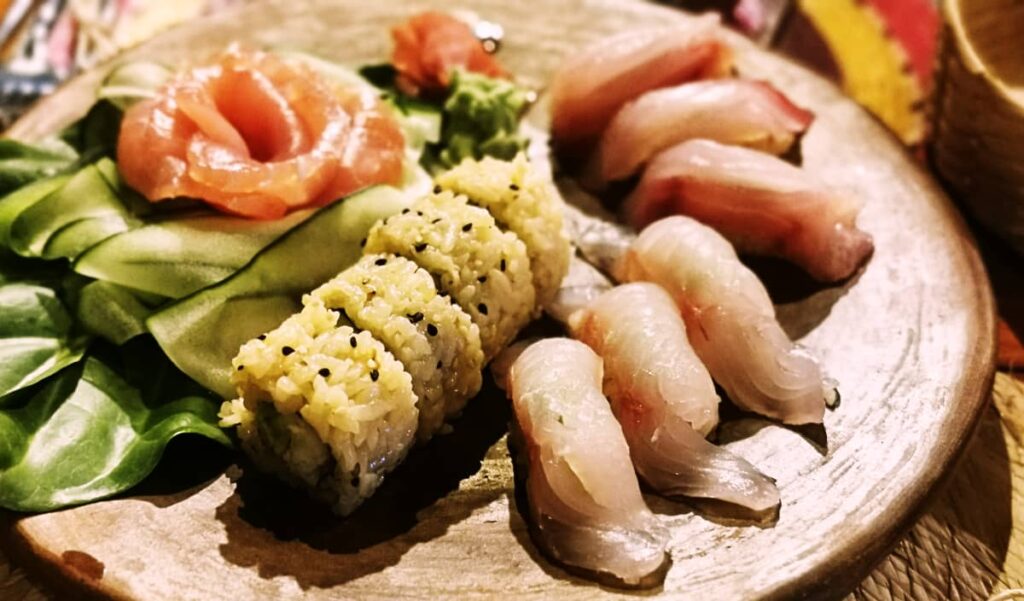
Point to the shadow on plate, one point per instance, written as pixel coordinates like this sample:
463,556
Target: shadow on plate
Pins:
281,532
801,303
188,465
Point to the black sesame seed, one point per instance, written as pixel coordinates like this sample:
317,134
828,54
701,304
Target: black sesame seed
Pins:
482,309
422,246
415,317
287,350
362,243
405,211
374,375
482,279
513,187
355,481
436,221
241,367
467,227
419,213
352,341
324,372
437,189
439,364
431,329
502,265
380,262
261,337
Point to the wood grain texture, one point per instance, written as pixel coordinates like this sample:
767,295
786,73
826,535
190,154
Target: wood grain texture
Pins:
911,341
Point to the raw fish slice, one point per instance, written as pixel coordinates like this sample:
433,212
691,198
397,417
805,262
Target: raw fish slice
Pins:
730,320
665,400
593,84
762,204
730,111
585,507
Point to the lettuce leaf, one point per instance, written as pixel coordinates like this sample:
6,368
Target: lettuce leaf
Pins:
87,434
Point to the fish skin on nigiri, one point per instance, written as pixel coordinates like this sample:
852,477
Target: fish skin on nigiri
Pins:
585,508
592,84
665,400
731,111
730,320
760,203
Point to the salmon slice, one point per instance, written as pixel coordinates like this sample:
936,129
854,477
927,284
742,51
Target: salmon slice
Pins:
258,137
429,46
592,85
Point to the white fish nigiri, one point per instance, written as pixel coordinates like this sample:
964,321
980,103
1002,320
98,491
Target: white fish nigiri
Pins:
731,111
595,82
729,318
760,203
665,400
585,507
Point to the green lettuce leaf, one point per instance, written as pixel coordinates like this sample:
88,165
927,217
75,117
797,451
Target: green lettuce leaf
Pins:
37,337
87,434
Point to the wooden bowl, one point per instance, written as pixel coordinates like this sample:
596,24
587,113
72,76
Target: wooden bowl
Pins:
978,141
910,340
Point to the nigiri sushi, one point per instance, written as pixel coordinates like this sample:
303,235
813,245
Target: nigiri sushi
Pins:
665,400
730,111
730,320
762,204
584,505
593,84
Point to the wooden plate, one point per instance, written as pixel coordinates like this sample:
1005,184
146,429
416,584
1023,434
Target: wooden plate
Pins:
911,341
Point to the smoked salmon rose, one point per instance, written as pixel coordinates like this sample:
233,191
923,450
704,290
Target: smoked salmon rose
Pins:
256,136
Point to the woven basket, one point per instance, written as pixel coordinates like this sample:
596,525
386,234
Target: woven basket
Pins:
978,140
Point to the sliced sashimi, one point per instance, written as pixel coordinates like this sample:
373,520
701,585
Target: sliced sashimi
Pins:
593,84
255,136
665,400
584,503
730,111
430,46
762,204
730,320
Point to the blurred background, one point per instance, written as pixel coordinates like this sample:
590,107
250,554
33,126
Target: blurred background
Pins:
881,50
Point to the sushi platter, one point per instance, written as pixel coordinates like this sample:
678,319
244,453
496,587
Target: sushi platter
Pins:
371,395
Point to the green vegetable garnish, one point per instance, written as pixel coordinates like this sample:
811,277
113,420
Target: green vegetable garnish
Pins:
481,118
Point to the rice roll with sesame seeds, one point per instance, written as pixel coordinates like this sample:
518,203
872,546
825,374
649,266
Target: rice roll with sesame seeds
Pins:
485,270
525,203
322,405
436,341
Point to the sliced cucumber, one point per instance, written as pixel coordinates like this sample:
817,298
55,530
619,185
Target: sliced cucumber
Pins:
87,195
75,238
176,258
202,332
111,311
14,203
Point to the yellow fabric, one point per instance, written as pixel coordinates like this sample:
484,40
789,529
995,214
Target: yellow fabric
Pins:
874,68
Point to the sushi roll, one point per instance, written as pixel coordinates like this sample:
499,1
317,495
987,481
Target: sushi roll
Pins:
386,351
322,405
434,339
523,203
486,271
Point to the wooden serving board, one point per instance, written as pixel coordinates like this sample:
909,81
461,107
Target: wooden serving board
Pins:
911,341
